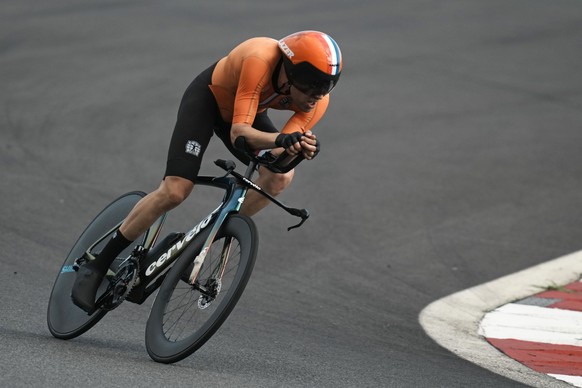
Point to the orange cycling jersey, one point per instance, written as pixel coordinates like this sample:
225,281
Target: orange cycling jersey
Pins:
242,86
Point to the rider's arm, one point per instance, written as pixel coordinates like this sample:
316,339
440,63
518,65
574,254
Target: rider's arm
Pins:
255,139
303,122
252,79
254,75
300,122
294,142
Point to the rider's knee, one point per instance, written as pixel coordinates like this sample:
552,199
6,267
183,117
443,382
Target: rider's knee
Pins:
279,182
176,191
175,197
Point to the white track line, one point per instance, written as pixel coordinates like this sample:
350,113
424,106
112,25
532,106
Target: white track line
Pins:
534,324
453,321
574,380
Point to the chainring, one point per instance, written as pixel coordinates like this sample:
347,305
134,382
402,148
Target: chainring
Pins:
120,284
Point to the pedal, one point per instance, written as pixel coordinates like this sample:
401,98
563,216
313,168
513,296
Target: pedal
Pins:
115,266
85,258
110,275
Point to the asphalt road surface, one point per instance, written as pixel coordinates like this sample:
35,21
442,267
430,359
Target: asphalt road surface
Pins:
450,157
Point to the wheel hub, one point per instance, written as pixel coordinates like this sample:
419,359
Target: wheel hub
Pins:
209,293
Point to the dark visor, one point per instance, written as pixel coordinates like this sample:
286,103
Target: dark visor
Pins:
312,81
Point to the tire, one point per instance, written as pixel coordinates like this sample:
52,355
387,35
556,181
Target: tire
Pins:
65,320
182,319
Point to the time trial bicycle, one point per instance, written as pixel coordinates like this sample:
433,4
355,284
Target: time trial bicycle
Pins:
200,273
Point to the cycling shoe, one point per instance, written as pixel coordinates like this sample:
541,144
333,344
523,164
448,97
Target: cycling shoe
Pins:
85,288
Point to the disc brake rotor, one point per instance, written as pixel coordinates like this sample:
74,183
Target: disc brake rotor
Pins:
212,290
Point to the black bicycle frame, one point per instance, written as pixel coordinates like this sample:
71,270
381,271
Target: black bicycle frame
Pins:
153,267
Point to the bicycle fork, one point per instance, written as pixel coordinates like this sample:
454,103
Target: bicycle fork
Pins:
234,204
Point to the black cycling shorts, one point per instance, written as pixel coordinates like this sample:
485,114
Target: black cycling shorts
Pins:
198,119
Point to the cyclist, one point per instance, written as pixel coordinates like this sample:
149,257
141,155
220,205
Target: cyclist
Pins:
231,99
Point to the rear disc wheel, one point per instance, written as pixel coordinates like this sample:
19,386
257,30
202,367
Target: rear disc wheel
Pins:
65,320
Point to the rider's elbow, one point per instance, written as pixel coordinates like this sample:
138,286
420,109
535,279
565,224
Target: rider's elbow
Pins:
237,130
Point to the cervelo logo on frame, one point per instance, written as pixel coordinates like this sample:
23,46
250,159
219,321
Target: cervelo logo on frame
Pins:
180,244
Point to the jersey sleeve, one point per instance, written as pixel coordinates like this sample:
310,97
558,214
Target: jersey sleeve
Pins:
305,121
254,75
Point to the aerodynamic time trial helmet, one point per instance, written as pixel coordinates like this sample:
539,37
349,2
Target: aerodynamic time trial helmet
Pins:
312,60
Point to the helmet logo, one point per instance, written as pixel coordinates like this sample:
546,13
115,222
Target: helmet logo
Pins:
286,49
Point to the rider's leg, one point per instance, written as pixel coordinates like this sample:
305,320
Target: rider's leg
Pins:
197,116
172,191
272,183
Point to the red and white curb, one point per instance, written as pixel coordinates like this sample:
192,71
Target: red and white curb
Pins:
543,332
516,313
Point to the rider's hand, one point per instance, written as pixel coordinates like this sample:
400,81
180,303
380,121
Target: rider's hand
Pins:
291,142
310,145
